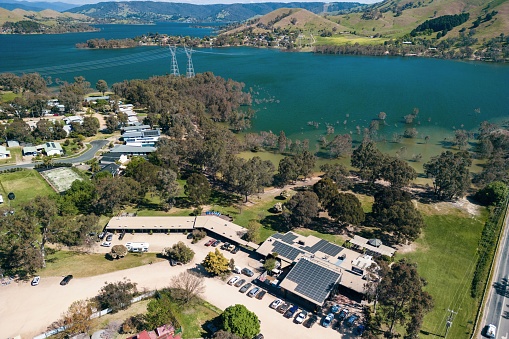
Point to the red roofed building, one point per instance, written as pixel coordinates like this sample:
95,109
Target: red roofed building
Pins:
162,332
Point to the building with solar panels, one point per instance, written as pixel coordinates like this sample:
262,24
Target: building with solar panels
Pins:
315,270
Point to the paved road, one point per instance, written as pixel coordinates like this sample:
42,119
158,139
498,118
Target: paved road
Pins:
89,154
497,305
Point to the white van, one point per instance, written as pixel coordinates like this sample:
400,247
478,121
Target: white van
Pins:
137,246
236,269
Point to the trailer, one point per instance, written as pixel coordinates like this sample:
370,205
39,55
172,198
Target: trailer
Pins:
137,246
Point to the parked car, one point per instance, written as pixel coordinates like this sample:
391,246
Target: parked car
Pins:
276,303
491,331
261,294
247,272
311,321
236,269
122,235
259,336
173,262
253,292
233,280
36,280
66,280
351,319
244,288
335,308
299,319
101,235
109,237
283,308
291,311
210,242
106,244
235,250
359,330
225,246
216,243
190,235
239,283
328,320
343,314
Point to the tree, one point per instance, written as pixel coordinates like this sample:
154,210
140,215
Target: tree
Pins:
338,173
346,207
288,171
112,123
341,145
221,334
90,126
305,163
118,251
460,138
326,190
450,173
162,310
402,297
253,231
111,193
303,207
281,141
197,188
493,193
239,320
368,159
101,86
215,263
76,319
397,172
248,177
167,185
187,286
116,296
180,252
269,264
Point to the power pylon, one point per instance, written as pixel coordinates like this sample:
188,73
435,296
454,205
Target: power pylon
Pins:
190,67
174,65
448,323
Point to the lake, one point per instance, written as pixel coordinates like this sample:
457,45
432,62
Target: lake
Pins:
292,89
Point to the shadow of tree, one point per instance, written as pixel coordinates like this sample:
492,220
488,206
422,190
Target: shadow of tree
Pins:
223,199
275,222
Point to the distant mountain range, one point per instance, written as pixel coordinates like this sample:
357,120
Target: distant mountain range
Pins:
35,6
165,11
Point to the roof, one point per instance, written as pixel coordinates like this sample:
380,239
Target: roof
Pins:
12,143
311,280
110,168
4,150
29,149
211,223
50,146
135,128
132,149
380,250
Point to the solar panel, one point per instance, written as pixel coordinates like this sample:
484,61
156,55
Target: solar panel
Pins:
331,249
315,247
313,280
277,236
286,251
289,238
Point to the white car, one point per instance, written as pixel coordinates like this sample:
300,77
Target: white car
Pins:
491,332
106,244
35,280
301,317
233,280
276,303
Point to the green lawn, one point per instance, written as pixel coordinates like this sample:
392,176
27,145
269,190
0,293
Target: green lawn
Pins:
193,317
446,258
8,96
91,264
334,238
25,185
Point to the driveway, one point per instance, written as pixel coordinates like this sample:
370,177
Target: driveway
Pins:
28,310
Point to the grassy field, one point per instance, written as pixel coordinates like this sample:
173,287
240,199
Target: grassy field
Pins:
8,96
25,185
86,265
446,257
348,40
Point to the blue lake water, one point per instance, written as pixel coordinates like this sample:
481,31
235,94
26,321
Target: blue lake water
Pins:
291,88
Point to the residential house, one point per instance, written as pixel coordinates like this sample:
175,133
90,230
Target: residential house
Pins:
4,153
132,150
94,99
12,143
162,332
135,128
29,151
111,168
74,118
143,138
50,148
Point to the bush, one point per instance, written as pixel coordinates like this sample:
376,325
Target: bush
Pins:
198,235
492,194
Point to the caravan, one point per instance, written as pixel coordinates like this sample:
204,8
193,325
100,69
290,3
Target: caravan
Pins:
137,246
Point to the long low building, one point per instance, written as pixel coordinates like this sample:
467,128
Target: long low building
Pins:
214,225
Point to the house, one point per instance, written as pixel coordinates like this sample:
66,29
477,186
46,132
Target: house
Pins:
74,118
112,158
29,151
12,143
132,150
94,99
135,128
162,332
372,246
4,153
143,138
132,120
111,168
50,148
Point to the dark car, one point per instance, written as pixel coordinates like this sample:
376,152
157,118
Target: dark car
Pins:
66,280
259,336
173,262
121,236
244,288
291,311
225,246
239,283
190,236
216,243
350,321
235,250
109,237
342,315
261,294
247,272
283,308
253,292
311,321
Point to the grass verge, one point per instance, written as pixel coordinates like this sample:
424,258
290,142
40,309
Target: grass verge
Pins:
91,264
446,258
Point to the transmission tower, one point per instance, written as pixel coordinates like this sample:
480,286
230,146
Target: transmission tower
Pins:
190,68
448,323
174,65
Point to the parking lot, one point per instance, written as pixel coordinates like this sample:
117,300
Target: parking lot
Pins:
28,310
